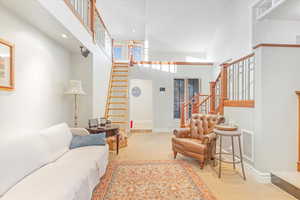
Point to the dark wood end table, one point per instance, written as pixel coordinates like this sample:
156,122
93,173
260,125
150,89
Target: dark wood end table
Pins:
110,131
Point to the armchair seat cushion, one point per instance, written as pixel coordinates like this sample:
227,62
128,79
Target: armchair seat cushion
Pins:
189,145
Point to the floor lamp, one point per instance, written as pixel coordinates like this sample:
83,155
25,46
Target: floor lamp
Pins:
75,88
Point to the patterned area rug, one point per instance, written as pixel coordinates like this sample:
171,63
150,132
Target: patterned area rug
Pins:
151,180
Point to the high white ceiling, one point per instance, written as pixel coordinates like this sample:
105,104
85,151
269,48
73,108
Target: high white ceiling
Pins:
181,26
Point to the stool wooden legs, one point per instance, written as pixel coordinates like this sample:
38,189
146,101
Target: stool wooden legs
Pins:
234,162
220,157
241,157
233,154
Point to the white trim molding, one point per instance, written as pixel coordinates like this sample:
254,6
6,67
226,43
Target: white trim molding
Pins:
259,176
161,130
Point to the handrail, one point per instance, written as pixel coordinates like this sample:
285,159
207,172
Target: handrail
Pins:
240,59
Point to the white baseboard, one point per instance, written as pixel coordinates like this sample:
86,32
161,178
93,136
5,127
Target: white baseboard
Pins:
161,130
259,176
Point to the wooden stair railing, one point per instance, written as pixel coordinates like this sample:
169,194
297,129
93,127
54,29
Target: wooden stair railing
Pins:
197,104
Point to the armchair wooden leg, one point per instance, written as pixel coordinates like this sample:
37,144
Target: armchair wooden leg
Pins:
202,163
175,154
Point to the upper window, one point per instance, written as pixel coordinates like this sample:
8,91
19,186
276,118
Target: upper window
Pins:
118,53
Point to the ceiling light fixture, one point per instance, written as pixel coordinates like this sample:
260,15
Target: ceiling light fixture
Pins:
64,36
133,30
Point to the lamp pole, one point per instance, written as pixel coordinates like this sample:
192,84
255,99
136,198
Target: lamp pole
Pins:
76,110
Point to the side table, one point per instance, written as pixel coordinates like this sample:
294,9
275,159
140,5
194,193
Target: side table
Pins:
235,159
110,131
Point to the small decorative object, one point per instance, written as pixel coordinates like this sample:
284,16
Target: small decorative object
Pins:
136,92
103,121
108,123
75,89
93,123
6,65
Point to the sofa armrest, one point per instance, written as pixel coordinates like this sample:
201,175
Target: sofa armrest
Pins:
208,138
182,132
79,131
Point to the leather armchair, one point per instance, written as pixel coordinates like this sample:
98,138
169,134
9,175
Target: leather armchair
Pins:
197,141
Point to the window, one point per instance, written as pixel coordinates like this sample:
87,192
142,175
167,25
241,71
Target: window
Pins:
184,90
178,96
137,53
118,53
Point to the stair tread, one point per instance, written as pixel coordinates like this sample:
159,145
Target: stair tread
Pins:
120,75
120,122
121,63
112,115
117,109
120,66
118,91
119,85
118,97
120,70
120,80
118,102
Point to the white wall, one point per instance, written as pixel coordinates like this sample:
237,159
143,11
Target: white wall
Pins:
101,62
163,102
42,71
141,108
276,103
82,69
276,31
233,38
101,75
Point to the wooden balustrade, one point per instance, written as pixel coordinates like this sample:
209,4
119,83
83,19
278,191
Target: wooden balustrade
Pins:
89,16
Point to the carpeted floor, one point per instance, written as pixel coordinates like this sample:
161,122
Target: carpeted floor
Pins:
157,146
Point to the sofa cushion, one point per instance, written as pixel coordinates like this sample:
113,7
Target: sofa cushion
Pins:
19,157
71,177
58,139
88,140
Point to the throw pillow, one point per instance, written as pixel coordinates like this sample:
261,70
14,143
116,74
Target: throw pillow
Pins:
88,140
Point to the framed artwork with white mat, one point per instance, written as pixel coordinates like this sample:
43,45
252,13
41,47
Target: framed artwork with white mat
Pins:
7,53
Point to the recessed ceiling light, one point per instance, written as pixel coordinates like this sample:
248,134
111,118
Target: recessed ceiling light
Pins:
133,30
64,36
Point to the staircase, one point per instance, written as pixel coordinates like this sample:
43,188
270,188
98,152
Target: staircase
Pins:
117,100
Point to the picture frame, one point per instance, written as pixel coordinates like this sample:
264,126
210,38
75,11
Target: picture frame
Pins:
7,62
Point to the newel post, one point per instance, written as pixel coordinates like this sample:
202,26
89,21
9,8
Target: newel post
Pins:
182,116
212,86
223,87
195,104
298,163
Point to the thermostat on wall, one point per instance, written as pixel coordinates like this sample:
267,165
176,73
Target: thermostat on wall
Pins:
162,89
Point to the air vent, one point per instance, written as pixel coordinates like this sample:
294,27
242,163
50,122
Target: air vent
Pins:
248,144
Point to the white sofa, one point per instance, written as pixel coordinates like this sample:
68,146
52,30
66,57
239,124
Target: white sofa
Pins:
42,167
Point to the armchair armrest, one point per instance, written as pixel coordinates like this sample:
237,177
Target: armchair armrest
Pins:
182,132
79,131
208,138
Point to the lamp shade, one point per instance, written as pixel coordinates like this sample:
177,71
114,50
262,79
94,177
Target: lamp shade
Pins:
75,87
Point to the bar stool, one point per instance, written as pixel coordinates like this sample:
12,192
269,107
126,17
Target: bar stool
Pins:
235,159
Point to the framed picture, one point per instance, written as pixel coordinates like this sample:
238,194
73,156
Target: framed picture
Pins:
6,65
